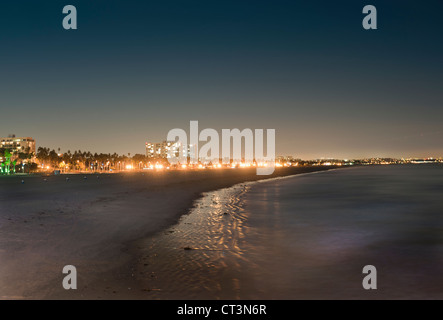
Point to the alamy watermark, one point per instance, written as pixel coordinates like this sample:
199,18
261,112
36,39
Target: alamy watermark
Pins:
370,281
70,20
70,281
231,153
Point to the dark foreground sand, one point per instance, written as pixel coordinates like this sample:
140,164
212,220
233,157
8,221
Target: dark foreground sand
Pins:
94,223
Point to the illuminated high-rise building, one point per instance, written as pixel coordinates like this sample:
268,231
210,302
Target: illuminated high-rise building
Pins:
18,144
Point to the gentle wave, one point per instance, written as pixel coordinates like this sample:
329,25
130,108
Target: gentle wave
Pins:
306,237
203,255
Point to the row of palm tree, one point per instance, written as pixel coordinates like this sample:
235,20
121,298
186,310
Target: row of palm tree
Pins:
85,160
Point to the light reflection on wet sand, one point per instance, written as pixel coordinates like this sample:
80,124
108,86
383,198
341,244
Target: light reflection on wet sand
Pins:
203,255
310,244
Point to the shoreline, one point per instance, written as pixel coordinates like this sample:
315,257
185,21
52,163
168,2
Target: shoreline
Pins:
145,241
155,283
92,222
129,284
252,252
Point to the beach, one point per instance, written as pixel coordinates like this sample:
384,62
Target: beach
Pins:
306,237
98,224
302,233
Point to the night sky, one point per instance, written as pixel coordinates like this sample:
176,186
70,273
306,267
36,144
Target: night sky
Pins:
136,69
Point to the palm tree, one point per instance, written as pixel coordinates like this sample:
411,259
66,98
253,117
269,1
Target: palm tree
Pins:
8,162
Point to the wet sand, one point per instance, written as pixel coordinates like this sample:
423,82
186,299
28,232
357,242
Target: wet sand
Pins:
305,237
99,225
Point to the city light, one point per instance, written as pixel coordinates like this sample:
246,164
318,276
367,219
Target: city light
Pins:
159,166
84,162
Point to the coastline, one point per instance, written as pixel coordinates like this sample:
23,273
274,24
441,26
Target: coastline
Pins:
94,224
191,259
273,239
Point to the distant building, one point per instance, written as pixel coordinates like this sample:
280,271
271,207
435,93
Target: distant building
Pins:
282,159
158,150
18,144
161,150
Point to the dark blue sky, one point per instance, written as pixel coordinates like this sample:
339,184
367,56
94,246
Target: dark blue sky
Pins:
136,69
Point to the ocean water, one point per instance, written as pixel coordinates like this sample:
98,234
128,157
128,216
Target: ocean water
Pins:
308,237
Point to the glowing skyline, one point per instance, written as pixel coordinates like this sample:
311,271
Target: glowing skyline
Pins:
133,71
